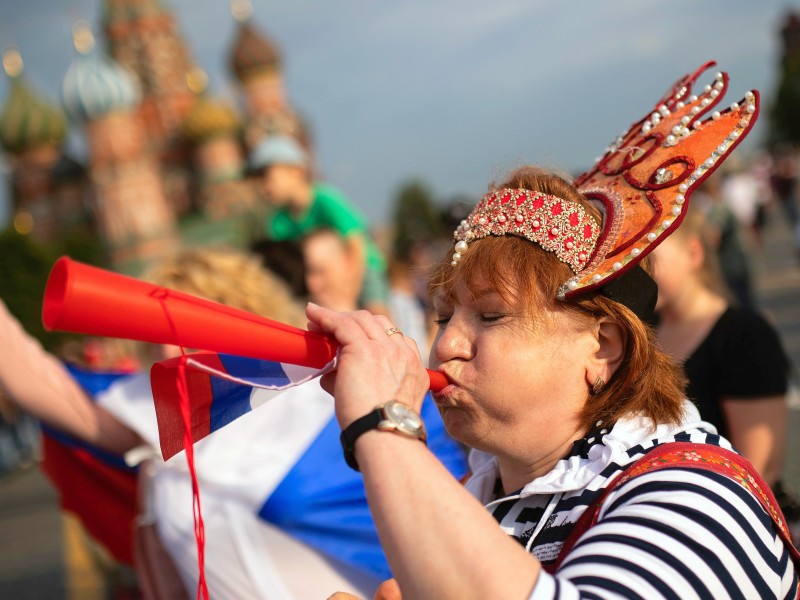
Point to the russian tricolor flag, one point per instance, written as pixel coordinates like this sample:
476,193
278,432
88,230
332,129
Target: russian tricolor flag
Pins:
318,499
220,388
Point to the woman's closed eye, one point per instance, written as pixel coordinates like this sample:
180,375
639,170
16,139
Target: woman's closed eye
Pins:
441,321
491,317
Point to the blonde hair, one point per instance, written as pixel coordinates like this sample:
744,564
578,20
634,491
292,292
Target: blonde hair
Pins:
695,226
647,382
230,277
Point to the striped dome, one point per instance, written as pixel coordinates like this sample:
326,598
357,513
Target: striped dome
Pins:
28,121
209,119
253,53
95,86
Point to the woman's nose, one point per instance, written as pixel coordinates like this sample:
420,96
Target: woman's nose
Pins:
452,341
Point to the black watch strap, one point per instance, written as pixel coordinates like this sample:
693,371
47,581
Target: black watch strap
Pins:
353,431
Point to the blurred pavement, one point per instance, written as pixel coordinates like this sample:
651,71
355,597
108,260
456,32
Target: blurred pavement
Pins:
778,282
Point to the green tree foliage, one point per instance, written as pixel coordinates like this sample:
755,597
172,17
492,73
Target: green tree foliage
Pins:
784,126
24,268
84,246
416,218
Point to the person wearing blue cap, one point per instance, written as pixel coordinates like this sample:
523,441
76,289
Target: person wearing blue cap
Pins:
298,205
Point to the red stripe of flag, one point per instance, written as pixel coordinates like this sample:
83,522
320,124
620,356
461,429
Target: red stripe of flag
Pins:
164,383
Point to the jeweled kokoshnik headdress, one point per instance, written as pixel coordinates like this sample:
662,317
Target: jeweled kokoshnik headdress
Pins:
642,185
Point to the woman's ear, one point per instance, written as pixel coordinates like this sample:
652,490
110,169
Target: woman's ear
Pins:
609,352
696,251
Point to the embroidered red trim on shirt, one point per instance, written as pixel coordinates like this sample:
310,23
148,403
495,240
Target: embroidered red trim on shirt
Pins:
694,456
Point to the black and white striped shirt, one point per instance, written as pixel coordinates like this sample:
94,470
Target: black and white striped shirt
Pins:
675,533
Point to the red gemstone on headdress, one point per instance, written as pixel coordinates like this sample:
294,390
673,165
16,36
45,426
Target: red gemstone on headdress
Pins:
556,209
587,231
574,219
505,198
537,202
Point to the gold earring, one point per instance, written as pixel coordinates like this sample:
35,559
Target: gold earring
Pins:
598,386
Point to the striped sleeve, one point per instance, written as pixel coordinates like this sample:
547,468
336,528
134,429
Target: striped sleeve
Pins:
676,533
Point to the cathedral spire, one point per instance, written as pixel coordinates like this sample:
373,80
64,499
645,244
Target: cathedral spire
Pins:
143,36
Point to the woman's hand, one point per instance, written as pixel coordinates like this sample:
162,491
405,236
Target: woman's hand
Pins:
375,365
388,590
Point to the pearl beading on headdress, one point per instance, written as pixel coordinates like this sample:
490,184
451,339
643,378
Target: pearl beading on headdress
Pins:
648,173
555,224
642,184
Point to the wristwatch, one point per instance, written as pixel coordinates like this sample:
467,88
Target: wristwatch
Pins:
391,416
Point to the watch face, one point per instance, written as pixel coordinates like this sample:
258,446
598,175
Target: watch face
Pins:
405,418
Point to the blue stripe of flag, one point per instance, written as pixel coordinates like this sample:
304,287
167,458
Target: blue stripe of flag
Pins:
231,400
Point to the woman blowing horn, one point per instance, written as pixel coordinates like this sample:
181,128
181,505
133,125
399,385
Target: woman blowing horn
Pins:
557,384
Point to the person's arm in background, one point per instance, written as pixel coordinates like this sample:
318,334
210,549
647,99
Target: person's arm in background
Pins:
757,429
39,384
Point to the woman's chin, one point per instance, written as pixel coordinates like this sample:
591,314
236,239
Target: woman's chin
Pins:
457,423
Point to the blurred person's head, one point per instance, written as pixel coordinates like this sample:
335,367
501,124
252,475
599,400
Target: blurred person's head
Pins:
684,263
282,167
230,277
454,213
284,258
329,270
712,186
398,272
734,165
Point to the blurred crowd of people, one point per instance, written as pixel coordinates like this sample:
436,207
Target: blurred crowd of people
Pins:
317,247
100,433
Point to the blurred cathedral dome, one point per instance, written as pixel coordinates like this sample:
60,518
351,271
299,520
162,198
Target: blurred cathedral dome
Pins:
252,52
94,85
27,120
209,119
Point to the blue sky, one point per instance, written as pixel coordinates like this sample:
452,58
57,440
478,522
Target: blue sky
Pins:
453,92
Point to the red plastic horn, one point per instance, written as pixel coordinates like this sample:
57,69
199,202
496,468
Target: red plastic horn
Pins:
83,299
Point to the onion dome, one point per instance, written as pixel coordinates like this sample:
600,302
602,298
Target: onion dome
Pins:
209,119
27,120
252,52
95,85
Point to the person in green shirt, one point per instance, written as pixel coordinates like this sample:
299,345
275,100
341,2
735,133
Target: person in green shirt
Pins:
298,206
